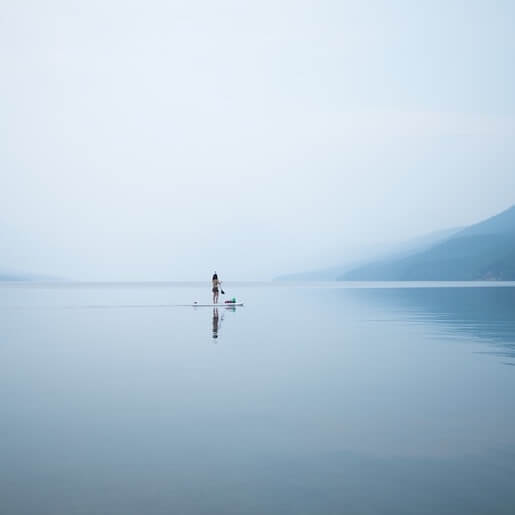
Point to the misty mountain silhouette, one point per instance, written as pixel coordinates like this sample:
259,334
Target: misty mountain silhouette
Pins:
15,276
393,251
483,251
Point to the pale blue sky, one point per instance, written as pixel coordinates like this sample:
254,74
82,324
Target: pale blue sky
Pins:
162,140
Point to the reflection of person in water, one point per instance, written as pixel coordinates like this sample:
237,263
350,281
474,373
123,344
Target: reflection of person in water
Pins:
215,322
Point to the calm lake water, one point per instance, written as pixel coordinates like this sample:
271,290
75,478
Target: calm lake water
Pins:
310,399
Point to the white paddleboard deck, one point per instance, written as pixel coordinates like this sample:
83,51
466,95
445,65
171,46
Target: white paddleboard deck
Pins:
228,305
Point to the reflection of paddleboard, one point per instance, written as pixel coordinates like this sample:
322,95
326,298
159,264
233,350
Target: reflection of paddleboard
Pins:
228,305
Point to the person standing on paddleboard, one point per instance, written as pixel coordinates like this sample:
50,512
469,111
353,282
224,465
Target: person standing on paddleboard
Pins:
216,287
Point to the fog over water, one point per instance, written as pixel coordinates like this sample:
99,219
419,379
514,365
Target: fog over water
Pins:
162,140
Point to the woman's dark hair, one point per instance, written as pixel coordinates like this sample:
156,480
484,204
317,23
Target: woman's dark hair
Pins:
214,276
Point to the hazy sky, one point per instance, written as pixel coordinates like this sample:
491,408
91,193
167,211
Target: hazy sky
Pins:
163,140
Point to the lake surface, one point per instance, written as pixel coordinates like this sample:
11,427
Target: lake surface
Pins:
310,399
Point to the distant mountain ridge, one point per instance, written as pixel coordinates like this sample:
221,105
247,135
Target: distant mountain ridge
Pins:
483,251
15,276
394,251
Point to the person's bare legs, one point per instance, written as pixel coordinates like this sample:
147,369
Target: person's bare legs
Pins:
215,298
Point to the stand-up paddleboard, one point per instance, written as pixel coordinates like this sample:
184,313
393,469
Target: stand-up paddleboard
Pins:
223,305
